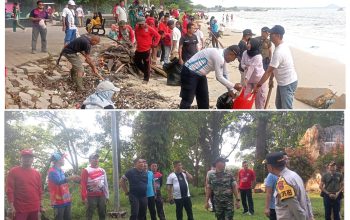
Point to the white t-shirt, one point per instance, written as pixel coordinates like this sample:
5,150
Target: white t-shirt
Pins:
172,180
69,14
80,12
282,60
176,35
210,59
121,14
200,36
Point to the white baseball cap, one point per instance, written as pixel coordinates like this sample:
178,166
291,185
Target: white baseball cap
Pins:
105,86
71,2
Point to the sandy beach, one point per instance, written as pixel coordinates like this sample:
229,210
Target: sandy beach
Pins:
313,71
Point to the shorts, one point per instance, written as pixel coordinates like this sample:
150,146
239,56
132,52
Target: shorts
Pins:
74,59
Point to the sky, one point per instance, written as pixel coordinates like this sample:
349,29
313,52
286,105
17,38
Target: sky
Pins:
271,3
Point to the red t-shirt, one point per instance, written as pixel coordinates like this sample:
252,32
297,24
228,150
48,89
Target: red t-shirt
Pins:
246,178
151,22
23,188
163,27
146,38
167,39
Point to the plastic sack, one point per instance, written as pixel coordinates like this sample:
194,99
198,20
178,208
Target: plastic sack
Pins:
173,70
224,101
242,102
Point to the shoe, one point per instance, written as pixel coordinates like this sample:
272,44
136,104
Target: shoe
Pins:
44,51
33,51
249,213
145,82
245,213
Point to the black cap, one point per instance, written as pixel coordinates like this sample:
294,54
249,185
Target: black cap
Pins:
275,158
247,32
220,159
265,29
277,29
235,49
94,155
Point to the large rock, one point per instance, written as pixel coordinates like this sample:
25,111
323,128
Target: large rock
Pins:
316,97
340,103
26,100
13,90
57,102
12,107
42,103
24,96
34,93
32,70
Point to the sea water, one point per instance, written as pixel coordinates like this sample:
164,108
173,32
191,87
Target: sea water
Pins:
320,31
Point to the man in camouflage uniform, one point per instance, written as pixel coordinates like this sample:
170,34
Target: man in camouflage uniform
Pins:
292,201
223,185
265,47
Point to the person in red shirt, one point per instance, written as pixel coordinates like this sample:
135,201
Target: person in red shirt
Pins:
94,188
146,38
166,39
114,12
163,26
246,178
185,20
126,32
175,13
151,22
24,189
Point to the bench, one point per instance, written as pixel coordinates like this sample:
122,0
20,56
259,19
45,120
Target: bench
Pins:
96,29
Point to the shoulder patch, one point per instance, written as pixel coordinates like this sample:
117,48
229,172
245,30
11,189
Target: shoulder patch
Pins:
284,190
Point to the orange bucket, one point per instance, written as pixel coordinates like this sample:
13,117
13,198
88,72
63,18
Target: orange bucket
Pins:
242,102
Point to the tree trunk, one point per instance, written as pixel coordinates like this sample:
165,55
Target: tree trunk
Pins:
260,151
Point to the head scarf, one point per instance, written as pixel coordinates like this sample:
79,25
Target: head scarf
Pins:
254,47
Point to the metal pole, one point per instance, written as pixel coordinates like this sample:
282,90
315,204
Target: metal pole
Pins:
115,135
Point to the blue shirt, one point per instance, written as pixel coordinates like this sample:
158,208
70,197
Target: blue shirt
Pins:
215,28
150,181
271,181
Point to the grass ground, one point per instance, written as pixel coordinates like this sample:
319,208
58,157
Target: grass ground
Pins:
199,213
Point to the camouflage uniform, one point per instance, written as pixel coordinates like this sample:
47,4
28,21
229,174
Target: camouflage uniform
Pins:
221,183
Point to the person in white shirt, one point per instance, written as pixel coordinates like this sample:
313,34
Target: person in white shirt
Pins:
121,12
193,75
253,71
80,15
69,27
282,67
175,37
200,37
178,190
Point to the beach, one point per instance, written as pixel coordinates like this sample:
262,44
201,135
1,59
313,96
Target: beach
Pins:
313,71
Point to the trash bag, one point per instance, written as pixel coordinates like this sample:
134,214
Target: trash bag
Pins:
224,101
173,69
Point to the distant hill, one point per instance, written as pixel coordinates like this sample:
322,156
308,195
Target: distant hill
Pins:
333,6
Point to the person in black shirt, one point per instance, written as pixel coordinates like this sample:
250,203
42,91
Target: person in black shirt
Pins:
137,178
188,44
80,45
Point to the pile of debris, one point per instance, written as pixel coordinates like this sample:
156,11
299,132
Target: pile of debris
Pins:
41,84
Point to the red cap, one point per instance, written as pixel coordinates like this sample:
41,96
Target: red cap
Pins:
27,152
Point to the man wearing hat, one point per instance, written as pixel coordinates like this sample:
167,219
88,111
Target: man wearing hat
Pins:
292,201
282,67
265,47
94,188
194,75
81,45
102,98
126,33
68,22
224,186
247,34
23,189
270,187
146,38
332,186
59,189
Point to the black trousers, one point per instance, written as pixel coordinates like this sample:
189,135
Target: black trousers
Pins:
138,207
98,202
63,213
246,194
273,214
183,203
193,84
152,208
162,48
159,206
142,61
332,205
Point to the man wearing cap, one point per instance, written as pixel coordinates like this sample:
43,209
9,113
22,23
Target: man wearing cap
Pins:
68,22
24,189
81,45
247,34
120,13
137,178
94,188
332,186
59,189
246,178
292,201
282,67
102,98
179,191
224,186
265,47
193,75
39,16
175,37
146,38
126,33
